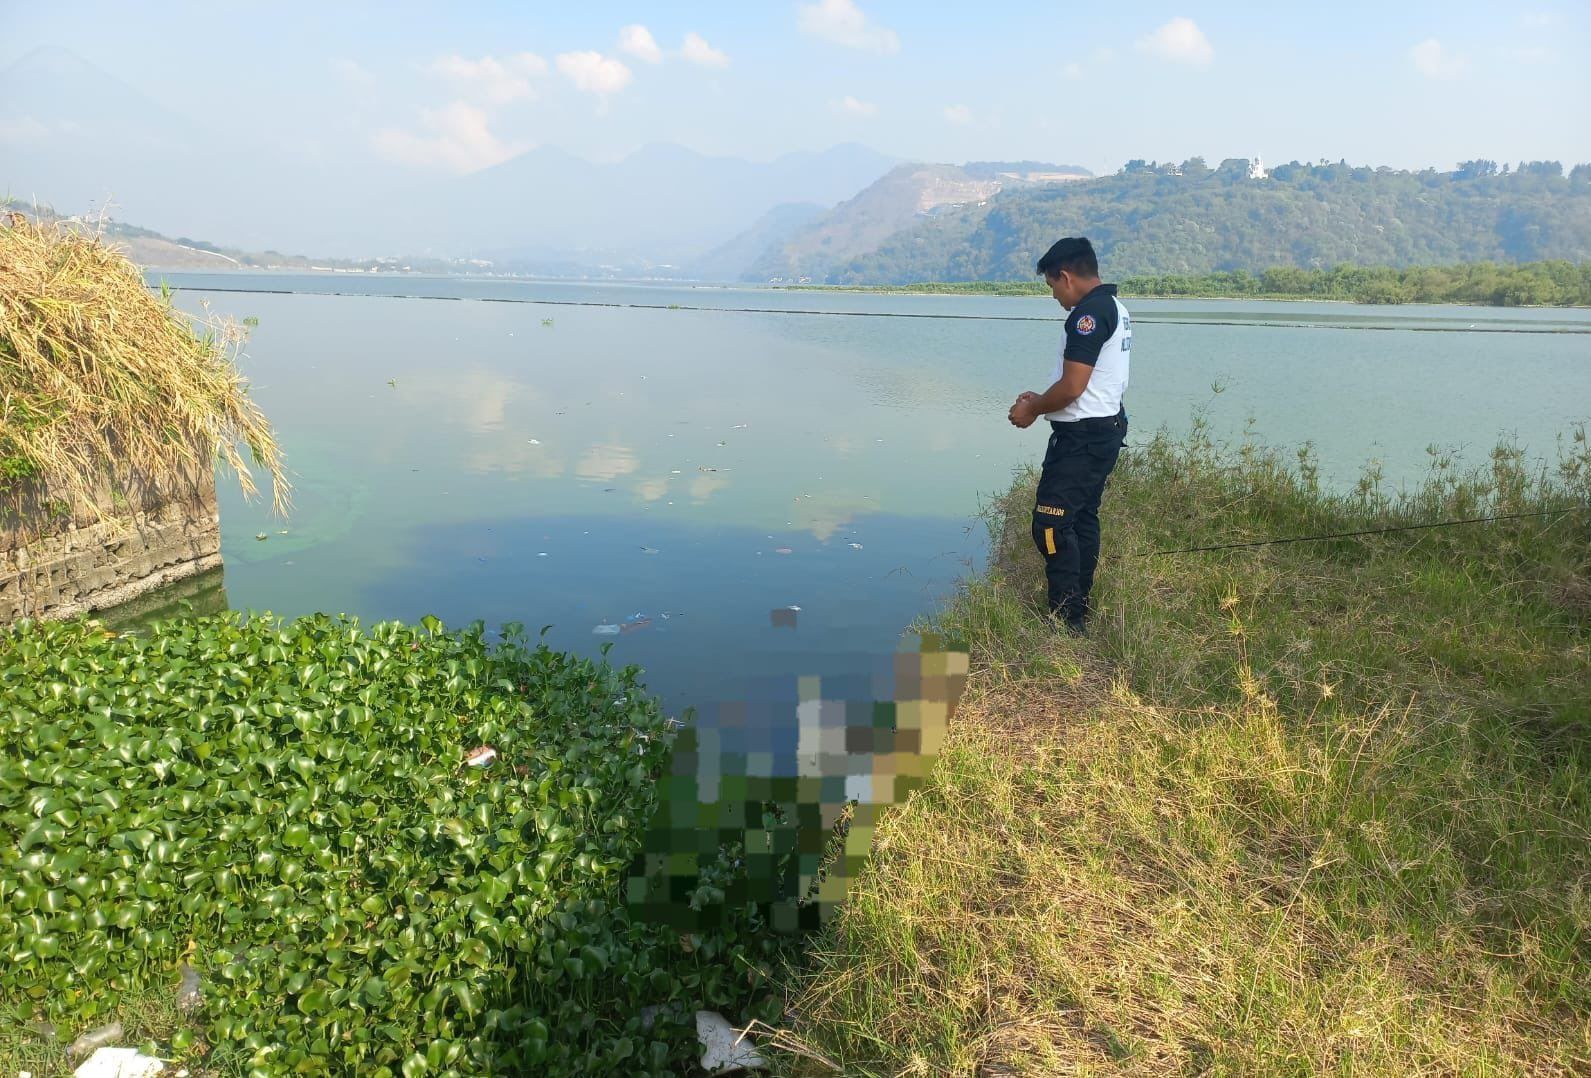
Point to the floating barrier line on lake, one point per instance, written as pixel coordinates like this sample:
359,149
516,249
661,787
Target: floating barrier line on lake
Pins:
1368,531
856,314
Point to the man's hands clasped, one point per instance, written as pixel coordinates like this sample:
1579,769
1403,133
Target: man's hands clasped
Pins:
1025,410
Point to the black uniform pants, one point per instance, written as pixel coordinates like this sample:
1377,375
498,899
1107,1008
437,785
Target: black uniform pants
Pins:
1079,459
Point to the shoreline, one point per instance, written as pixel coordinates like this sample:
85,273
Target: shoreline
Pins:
908,290
878,290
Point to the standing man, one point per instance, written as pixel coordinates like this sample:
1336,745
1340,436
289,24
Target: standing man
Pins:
1088,425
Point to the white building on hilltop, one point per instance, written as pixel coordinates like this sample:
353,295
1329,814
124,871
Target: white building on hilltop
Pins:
1256,169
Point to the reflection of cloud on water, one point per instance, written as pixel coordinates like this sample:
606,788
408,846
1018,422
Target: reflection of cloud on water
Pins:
703,486
824,521
606,462
476,399
653,489
516,457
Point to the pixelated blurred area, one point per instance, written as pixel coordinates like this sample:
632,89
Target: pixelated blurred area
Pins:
773,800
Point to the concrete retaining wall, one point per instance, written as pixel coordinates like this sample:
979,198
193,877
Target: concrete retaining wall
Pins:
145,535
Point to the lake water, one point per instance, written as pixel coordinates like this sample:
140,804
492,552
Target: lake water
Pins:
652,451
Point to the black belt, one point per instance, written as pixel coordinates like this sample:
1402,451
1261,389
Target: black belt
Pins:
1091,423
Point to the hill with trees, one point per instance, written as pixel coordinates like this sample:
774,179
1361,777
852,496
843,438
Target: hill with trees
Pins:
1157,219
892,204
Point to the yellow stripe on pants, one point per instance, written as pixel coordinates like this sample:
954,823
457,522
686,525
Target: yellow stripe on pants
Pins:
1049,540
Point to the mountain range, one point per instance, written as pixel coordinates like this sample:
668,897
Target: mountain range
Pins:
75,137
1189,218
72,135
894,203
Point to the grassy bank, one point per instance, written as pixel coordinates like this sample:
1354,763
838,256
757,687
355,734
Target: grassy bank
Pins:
1318,807
1483,284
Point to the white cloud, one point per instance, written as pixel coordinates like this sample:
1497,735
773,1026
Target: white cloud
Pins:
853,107
351,72
1180,40
1072,71
1435,62
490,79
637,41
455,137
843,23
698,52
960,115
593,73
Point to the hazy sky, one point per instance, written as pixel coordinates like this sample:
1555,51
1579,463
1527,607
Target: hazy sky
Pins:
431,87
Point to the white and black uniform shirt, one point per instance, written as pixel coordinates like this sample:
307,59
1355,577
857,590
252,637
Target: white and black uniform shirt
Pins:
1099,333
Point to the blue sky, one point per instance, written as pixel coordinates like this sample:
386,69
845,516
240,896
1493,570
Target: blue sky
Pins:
424,87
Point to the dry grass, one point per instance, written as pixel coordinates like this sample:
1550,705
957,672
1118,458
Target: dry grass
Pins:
1301,810
98,373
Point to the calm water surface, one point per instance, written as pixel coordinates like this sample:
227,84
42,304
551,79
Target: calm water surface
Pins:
705,468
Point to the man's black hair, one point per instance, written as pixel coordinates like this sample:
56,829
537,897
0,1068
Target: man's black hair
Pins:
1073,254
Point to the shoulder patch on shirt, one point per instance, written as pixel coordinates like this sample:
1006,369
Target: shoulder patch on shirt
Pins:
1085,325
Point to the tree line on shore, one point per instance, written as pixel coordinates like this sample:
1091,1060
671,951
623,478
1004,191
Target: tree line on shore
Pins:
1555,283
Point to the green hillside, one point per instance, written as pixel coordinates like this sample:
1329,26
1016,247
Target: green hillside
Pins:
1187,219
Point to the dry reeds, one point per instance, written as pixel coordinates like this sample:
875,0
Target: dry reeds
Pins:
99,376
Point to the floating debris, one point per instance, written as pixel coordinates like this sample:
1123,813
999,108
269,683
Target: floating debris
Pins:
606,630
738,426
546,321
634,623
96,1039
650,550
188,995
262,537
393,382
541,554
480,757
119,1063
784,550
535,441
856,546
725,1048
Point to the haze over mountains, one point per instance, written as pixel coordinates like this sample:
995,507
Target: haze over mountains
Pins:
72,136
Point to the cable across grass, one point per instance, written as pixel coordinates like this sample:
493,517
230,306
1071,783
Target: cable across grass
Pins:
1311,808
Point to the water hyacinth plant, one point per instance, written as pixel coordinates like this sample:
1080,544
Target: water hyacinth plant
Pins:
305,813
